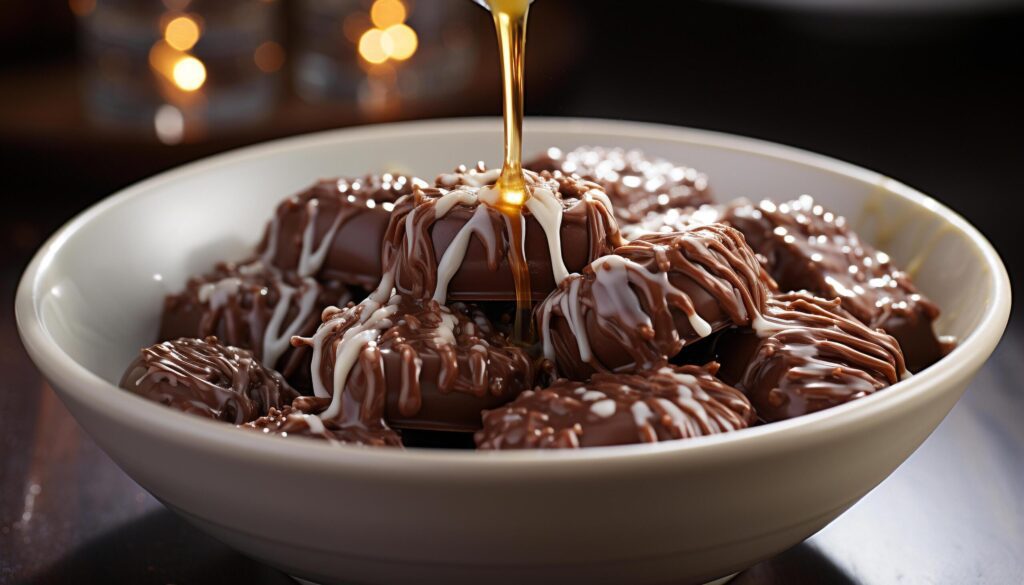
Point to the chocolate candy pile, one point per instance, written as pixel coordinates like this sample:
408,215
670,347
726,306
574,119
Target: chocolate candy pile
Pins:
379,310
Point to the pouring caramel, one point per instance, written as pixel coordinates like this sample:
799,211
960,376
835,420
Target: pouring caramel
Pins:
510,24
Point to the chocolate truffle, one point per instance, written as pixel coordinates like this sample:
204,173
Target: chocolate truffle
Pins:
415,364
636,184
807,247
453,243
333,230
206,378
806,354
256,307
301,419
632,309
618,409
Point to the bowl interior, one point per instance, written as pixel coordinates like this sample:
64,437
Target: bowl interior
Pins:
99,289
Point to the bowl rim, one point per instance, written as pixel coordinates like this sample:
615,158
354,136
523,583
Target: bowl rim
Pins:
68,376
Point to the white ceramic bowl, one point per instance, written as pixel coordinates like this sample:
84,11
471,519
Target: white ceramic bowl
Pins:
685,511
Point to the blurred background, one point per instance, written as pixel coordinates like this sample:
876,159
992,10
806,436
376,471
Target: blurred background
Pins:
97,94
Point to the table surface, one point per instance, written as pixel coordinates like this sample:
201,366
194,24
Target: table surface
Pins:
951,514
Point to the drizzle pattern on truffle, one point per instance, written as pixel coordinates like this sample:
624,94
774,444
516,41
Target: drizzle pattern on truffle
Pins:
205,378
616,409
806,354
632,309
807,247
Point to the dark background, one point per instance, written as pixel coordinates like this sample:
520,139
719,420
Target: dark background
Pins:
931,97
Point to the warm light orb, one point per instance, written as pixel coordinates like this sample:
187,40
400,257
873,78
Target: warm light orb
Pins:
385,13
375,46
404,40
182,33
189,73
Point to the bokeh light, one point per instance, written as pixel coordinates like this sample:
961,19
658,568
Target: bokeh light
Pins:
403,40
388,38
385,13
371,46
189,73
182,33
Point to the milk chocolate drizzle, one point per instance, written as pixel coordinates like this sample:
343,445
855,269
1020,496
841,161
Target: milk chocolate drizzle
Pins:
613,409
804,354
208,379
352,340
622,312
807,247
262,303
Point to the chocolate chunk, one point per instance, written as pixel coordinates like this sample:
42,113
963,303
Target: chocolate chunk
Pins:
255,307
618,409
206,378
636,183
634,308
333,230
453,243
807,247
415,364
301,419
806,354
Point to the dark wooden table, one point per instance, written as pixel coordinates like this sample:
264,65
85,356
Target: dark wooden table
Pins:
951,514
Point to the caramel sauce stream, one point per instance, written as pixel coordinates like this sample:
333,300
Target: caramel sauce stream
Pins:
510,24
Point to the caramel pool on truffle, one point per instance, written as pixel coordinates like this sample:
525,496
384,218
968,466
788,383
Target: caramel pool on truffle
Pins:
643,303
206,378
617,409
806,354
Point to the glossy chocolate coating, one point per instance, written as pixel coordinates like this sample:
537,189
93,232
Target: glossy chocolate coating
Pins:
422,365
807,247
208,379
618,409
807,354
637,184
301,419
422,231
237,303
353,213
641,305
